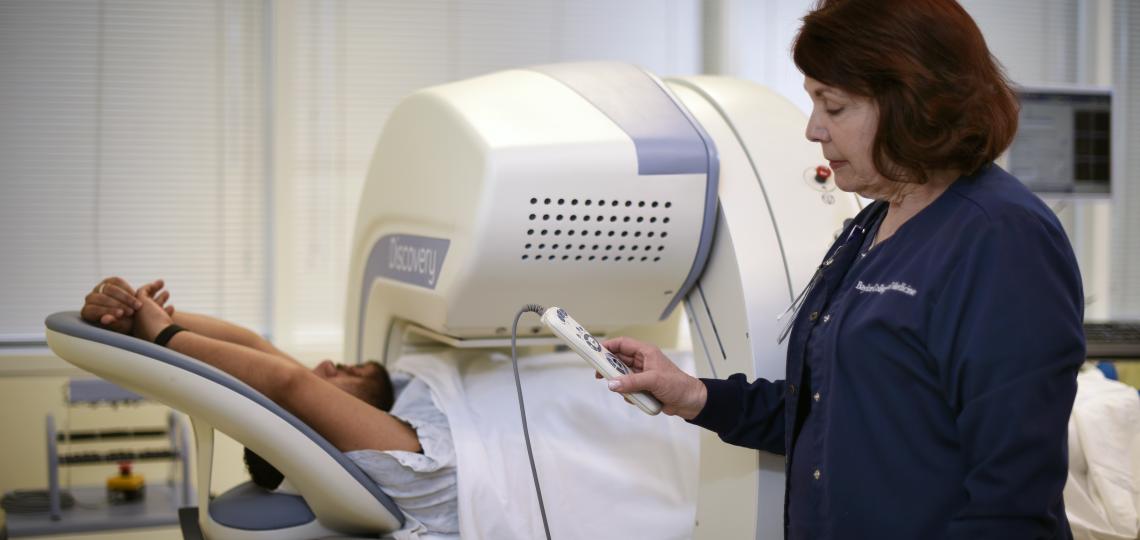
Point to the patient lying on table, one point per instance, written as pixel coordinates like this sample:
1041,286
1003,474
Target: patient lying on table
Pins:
387,424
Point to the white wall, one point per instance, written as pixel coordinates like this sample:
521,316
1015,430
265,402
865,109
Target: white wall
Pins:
752,39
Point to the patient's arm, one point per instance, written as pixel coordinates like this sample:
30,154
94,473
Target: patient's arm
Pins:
112,303
226,331
346,421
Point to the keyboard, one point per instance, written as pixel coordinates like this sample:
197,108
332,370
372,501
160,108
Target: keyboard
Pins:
1113,339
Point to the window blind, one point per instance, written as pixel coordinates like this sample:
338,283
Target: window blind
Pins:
1035,40
131,144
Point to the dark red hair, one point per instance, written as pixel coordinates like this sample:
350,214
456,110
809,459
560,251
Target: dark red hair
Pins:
944,101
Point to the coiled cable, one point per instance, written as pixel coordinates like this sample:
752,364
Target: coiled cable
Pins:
533,308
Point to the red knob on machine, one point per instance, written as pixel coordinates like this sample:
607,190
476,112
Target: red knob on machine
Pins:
822,173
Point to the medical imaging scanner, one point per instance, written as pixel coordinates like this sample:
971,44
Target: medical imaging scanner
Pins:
593,186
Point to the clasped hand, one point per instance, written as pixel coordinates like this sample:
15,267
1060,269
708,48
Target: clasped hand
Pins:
115,305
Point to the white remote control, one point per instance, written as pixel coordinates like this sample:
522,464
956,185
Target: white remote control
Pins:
588,348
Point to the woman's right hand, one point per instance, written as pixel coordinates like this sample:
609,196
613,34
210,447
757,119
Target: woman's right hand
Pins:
680,394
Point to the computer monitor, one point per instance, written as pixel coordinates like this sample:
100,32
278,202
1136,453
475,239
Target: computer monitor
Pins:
1063,142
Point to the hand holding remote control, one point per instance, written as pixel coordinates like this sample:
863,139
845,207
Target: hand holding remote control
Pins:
608,365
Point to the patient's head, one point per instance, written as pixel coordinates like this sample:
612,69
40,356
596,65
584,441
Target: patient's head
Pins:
368,381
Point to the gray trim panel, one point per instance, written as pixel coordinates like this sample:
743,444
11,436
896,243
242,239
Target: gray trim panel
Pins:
712,207
666,141
756,173
667,137
411,259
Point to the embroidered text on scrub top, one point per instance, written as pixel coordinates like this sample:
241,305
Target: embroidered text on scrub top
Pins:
880,288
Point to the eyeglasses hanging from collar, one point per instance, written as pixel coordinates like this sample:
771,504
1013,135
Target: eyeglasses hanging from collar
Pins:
788,317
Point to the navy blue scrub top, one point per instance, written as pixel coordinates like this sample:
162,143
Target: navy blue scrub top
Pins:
929,379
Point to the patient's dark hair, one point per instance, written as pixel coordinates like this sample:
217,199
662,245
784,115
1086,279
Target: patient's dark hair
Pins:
381,396
261,472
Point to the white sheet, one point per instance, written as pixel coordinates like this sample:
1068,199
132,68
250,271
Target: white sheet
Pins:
607,470
1102,495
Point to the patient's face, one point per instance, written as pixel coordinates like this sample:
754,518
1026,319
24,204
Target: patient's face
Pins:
368,382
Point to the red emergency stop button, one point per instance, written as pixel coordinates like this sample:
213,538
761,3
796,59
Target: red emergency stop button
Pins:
822,173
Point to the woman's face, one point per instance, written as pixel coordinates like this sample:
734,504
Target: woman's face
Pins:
845,125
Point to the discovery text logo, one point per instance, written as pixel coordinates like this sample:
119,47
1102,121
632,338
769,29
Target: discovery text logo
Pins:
411,259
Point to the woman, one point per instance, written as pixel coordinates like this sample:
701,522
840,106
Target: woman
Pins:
931,368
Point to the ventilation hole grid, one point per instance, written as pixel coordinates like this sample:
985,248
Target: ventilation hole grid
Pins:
618,219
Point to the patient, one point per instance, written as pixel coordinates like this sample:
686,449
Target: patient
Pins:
388,425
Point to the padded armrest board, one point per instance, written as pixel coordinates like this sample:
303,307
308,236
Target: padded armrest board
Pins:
70,324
